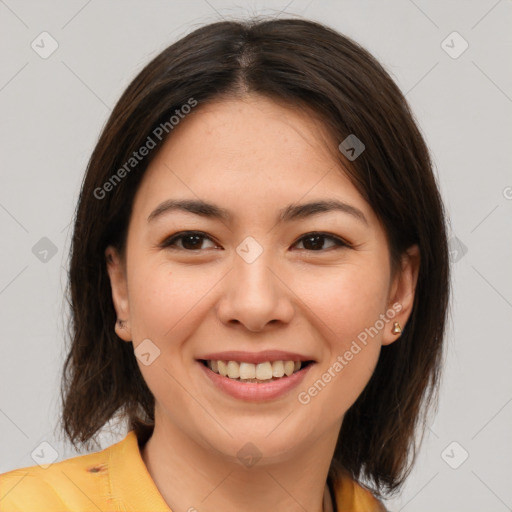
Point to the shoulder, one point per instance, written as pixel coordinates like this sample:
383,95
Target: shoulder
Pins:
77,483
353,497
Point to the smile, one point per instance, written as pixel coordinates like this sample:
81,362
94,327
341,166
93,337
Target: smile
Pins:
258,382
255,373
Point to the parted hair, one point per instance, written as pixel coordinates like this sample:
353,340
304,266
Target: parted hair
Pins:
306,65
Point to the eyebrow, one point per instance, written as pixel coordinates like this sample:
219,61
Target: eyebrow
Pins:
287,214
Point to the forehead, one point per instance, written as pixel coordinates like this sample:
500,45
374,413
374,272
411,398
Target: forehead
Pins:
249,153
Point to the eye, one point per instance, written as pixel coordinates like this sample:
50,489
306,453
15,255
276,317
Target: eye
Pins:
314,241
192,241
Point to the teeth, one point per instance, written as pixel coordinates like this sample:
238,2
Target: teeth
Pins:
222,368
250,372
288,367
277,369
233,370
247,370
264,371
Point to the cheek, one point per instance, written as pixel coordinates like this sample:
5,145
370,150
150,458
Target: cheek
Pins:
349,301
166,303
347,314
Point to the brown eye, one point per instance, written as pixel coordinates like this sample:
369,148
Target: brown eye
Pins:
193,241
190,240
315,241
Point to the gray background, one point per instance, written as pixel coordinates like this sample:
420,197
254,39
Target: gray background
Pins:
52,112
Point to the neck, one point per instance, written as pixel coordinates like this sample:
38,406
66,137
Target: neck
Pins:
192,477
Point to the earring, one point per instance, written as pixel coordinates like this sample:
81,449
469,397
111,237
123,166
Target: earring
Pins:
121,323
396,328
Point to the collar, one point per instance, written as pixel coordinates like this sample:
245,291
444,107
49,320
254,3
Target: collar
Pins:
130,480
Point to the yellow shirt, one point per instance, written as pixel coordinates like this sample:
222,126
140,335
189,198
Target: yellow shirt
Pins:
116,479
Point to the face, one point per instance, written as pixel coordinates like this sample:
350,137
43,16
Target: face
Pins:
316,285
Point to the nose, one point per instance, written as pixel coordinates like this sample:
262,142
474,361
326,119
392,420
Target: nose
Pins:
255,294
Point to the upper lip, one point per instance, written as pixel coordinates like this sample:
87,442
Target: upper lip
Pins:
255,357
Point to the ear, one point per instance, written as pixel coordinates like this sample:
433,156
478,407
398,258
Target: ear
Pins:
118,282
402,292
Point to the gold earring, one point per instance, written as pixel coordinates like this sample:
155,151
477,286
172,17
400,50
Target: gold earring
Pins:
396,328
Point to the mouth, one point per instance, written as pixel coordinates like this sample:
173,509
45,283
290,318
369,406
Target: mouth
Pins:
263,372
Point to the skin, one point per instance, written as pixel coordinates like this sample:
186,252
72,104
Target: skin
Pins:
253,157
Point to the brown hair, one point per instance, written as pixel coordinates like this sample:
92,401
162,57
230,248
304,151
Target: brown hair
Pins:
309,65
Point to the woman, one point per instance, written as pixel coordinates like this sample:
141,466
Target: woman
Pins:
259,284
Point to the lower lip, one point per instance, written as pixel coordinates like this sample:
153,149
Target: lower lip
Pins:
253,391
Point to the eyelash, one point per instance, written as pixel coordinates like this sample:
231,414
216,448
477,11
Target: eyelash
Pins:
170,241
